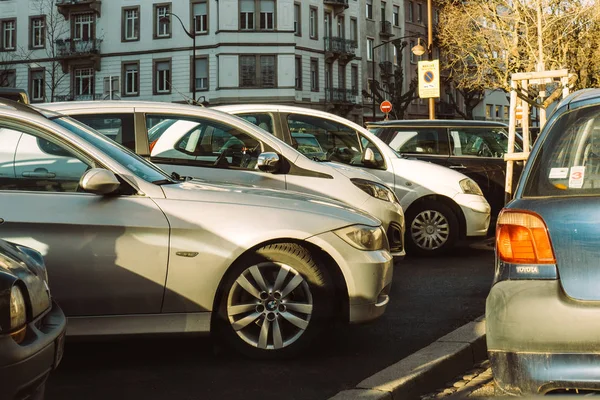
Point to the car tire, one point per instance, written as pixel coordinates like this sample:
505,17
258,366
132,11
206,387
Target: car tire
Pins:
431,228
257,318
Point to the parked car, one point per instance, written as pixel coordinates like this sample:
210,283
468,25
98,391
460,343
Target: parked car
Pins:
211,145
442,207
475,148
131,250
32,326
542,312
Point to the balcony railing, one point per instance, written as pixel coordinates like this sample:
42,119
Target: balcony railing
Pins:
79,97
341,96
339,3
386,29
340,45
78,48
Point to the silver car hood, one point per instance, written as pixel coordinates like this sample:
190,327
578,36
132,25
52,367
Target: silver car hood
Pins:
352,172
332,213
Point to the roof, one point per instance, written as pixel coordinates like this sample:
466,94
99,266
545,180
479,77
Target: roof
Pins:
438,123
18,106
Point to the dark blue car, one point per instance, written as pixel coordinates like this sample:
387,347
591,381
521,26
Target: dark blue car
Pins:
543,311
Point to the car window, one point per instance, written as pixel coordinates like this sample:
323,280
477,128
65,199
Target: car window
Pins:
202,142
38,163
419,140
480,142
568,162
262,120
337,142
118,127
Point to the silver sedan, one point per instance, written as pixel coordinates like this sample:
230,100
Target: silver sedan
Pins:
131,250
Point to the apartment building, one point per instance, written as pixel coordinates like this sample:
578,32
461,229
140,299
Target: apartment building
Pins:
222,51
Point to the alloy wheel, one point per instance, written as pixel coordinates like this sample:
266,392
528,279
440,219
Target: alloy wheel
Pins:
430,230
270,305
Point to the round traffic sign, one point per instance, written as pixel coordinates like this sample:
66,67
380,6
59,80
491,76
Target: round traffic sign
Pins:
385,106
428,76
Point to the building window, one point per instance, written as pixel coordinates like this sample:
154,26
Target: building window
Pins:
162,76
36,84
370,45
84,27
413,58
298,65
327,25
9,34
383,16
200,12
131,83
314,74
369,9
506,109
201,74
263,76
84,83
341,76
354,78
313,27
410,13
353,29
419,12
162,21
395,60
37,30
341,26
8,78
247,15
297,19
498,112
488,111
328,75
396,16
131,24
267,15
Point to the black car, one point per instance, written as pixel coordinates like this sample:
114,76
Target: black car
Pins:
474,148
32,326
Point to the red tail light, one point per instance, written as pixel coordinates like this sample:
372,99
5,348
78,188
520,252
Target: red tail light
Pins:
522,238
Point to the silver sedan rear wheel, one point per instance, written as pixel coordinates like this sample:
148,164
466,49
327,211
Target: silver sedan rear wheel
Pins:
432,228
270,305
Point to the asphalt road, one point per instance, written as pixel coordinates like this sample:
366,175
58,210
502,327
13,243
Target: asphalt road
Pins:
429,298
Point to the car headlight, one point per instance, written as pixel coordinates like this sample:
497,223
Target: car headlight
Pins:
469,186
18,312
376,190
364,237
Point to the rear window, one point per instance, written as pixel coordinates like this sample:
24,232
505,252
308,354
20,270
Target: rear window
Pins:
568,161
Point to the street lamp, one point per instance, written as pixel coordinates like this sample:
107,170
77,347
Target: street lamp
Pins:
373,64
193,36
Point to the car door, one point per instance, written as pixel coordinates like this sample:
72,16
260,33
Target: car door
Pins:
207,149
105,255
423,143
117,124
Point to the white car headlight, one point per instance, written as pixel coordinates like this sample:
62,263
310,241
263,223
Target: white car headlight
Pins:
18,312
469,186
364,237
376,190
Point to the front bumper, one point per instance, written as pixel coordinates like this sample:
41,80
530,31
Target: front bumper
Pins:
24,367
368,276
540,340
392,218
476,210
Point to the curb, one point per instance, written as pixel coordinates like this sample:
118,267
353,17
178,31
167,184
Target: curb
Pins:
430,367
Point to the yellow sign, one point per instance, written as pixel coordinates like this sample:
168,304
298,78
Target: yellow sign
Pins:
429,79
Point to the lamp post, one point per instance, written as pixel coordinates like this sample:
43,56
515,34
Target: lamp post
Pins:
193,36
420,50
373,65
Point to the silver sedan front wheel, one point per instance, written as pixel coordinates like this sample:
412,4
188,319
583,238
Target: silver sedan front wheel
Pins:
430,230
270,305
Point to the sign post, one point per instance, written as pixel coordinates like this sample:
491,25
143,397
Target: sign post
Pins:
386,108
429,79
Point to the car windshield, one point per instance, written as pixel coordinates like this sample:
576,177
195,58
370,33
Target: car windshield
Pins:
134,163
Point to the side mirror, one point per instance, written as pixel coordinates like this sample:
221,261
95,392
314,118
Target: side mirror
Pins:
368,158
268,162
99,181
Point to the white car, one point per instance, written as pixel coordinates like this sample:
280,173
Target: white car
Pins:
442,207
212,145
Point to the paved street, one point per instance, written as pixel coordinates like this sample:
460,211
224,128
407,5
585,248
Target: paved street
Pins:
430,297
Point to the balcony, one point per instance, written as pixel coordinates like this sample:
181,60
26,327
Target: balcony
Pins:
386,29
338,48
386,68
341,96
338,5
68,7
78,53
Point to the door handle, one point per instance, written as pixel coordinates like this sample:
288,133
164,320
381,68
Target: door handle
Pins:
39,173
457,167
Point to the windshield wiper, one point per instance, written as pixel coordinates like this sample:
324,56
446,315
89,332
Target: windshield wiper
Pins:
178,177
162,182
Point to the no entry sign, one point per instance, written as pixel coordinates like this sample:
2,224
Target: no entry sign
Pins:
385,106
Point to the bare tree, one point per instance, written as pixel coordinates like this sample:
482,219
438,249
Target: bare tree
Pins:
391,89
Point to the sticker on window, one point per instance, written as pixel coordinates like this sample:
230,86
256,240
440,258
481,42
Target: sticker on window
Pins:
559,173
576,177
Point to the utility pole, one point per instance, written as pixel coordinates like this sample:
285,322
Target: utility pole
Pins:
430,53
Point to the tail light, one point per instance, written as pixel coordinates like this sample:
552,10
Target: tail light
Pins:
522,238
